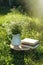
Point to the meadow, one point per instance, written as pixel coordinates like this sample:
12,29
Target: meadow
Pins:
31,28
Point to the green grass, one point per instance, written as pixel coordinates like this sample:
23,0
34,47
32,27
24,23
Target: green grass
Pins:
31,27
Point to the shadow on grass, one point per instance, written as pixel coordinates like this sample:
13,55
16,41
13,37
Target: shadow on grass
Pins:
19,56
4,10
34,56
7,9
38,55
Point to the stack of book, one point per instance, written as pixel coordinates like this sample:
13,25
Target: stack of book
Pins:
31,43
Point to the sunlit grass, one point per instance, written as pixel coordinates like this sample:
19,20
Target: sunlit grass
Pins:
31,28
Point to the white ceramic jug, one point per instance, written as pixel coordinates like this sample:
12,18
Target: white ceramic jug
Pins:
16,40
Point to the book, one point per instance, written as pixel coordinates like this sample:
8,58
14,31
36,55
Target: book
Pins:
31,47
30,42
